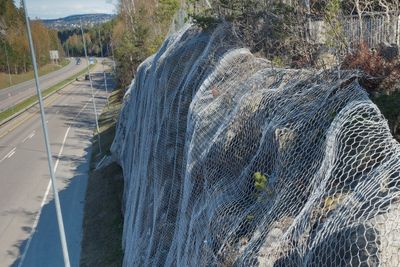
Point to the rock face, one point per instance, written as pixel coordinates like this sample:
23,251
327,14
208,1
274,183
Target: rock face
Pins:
388,51
325,58
203,116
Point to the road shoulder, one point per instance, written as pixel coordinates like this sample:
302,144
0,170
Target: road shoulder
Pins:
103,222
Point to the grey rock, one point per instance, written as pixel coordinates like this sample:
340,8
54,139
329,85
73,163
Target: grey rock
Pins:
388,51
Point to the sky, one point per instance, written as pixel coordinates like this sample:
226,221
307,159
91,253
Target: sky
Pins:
52,9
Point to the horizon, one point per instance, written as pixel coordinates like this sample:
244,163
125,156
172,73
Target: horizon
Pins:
48,9
80,14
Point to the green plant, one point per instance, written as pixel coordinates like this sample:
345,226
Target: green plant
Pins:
250,217
277,61
204,21
261,183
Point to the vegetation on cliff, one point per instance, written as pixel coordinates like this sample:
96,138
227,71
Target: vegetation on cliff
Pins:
139,30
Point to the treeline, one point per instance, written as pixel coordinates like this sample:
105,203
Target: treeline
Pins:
14,49
139,30
98,40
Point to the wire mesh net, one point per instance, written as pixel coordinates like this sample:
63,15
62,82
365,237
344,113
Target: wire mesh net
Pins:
231,162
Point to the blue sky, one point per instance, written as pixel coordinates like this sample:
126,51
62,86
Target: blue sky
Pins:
51,9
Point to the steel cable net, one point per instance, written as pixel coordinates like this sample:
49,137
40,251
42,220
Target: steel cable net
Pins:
228,161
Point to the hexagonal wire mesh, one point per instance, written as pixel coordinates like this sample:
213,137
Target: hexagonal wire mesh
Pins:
228,161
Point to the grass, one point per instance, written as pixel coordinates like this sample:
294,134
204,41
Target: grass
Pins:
33,99
26,76
107,122
103,222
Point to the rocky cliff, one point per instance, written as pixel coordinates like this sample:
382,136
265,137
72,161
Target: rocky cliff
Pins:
230,162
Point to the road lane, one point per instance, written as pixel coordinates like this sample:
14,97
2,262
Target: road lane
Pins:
12,95
24,179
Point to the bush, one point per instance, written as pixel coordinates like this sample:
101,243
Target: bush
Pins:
379,74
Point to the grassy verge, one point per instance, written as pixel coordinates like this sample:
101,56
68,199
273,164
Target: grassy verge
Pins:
22,77
102,223
33,99
107,122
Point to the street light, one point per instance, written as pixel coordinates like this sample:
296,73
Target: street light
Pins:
91,86
47,143
104,73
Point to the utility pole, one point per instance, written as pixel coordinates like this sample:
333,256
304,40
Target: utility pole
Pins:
91,86
47,143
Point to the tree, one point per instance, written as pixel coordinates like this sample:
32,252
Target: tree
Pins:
139,31
14,39
390,7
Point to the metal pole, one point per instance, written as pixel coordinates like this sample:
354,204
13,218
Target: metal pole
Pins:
112,52
47,143
104,73
91,86
8,64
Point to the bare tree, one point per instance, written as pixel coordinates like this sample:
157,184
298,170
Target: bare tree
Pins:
361,7
127,11
391,9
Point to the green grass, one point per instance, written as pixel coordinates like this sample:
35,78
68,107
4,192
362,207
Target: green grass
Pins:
33,99
107,122
103,221
26,76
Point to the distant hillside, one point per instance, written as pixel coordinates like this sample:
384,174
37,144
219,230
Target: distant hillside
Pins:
70,22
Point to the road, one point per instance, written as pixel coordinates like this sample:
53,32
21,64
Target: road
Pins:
12,95
28,229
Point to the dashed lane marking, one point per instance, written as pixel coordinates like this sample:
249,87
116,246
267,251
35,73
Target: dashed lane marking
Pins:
9,154
32,134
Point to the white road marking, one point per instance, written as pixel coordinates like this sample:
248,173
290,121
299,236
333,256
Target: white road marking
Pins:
9,154
29,137
22,258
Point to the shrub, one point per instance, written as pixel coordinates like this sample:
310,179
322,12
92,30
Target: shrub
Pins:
379,74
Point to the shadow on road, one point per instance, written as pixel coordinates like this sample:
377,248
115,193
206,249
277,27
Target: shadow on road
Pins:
44,248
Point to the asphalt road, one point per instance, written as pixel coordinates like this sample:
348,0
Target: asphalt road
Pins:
28,227
12,95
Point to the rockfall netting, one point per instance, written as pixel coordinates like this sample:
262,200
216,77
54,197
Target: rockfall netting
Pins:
228,161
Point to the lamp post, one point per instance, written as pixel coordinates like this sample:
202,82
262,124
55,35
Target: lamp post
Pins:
104,73
91,86
47,143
